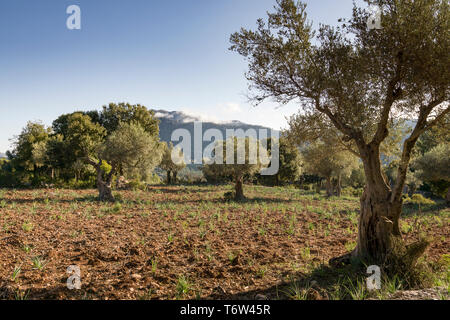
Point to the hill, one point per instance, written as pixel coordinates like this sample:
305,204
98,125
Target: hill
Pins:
172,120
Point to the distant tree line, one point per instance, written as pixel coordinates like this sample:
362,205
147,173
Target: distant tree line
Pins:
86,149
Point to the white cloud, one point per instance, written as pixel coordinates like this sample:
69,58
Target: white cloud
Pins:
231,107
199,116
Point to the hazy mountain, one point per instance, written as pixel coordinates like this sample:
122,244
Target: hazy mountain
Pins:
172,120
2,155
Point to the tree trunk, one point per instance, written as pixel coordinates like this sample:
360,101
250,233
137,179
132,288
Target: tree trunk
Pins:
105,191
239,189
378,222
329,187
379,238
339,186
376,228
104,185
175,177
169,177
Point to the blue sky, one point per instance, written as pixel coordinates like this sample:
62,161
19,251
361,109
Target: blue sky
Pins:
171,55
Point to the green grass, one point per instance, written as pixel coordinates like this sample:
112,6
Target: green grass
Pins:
183,287
39,263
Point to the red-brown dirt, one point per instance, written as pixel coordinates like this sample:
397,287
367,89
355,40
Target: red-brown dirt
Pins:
176,242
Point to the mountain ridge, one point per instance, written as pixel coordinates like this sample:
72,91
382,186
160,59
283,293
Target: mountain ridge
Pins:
173,120
169,121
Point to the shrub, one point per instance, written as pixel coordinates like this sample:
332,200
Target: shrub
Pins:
419,199
352,192
136,185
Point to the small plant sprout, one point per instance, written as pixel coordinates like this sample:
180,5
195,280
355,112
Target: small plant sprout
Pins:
39,263
16,272
183,286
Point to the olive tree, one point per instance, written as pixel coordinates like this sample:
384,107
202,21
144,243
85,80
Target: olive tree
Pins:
290,162
329,162
238,158
172,162
129,146
358,80
29,150
434,166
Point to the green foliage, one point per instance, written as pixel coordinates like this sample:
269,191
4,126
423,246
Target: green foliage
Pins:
357,178
43,155
105,167
434,167
83,135
352,192
114,114
9,177
136,185
29,153
290,163
238,158
154,179
419,199
172,161
191,175
353,84
329,162
133,149
440,134
213,173
183,287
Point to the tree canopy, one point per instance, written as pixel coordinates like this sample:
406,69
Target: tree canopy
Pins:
238,158
357,81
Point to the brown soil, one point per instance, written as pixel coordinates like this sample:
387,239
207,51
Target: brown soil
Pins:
144,246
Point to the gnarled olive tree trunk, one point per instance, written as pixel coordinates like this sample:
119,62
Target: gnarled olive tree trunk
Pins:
377,220
104,190
379,237
104,181
239,188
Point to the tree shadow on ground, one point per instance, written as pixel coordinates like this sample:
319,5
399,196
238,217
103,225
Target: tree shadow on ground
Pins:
322,283
179,189
7,292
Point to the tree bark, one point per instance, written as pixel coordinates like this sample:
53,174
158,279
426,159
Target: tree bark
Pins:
376,228
339,186
169,177
379,237
103,185
329,187
239,189
175,177
378,222
105,191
